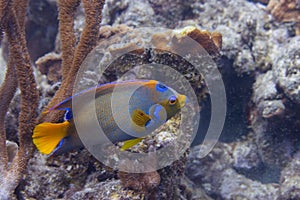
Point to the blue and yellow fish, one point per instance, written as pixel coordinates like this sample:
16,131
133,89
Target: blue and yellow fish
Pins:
151,105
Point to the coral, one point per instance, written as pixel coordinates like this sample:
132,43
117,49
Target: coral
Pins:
211,42
216,173
290,178
287,70
19,72
136,13
65,174
43,180
259,65
105,190
12,149
275,97
50,65
262,1
146,13
269,102
2,67
169,11
164,183
242,188
170,179
14,26
189,190
72,55
286,11
143,183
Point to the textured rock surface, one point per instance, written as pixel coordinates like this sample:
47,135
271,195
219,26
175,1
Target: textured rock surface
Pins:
147,13
260,58
287,69
290,178
218,173
41,27
2,67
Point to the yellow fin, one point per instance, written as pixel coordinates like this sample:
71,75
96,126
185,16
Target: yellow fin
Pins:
46,136
139,117
45,112
130,143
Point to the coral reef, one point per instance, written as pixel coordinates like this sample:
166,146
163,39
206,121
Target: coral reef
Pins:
290,178
218,172
257,156
147,13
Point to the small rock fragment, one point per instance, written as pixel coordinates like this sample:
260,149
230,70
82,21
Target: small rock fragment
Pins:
50,65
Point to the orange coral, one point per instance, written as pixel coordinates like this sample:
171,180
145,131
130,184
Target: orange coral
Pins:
211,42
286,11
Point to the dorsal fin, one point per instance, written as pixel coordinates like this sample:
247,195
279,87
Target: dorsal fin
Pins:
100,90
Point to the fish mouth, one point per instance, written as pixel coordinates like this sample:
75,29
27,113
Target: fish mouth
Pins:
183,100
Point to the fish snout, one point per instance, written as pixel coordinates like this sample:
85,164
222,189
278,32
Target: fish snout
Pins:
183,100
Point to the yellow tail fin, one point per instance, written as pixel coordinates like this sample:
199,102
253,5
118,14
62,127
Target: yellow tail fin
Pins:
46,136
130,143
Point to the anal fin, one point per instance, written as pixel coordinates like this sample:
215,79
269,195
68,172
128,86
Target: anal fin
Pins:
130,143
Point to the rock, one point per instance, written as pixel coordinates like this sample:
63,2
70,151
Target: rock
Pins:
50,65
2,67
290,178
286,10
111,189
218,176
12,150
243,188
41,27
42,181
287,69
261,164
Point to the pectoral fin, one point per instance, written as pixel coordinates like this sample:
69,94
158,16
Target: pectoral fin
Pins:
140,118
158,113
130,143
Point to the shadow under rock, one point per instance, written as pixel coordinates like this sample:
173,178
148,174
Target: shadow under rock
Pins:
238,94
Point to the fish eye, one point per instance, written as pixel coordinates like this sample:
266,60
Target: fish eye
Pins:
172,100
160,87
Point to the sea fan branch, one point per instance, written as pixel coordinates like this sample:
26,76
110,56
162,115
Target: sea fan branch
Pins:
19,64
93,11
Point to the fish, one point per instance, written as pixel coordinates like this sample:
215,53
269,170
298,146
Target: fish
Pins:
150,105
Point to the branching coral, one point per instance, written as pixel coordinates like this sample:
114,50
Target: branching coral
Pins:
19,72
72,55
72,58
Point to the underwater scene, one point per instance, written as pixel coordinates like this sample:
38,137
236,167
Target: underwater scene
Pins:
150,99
